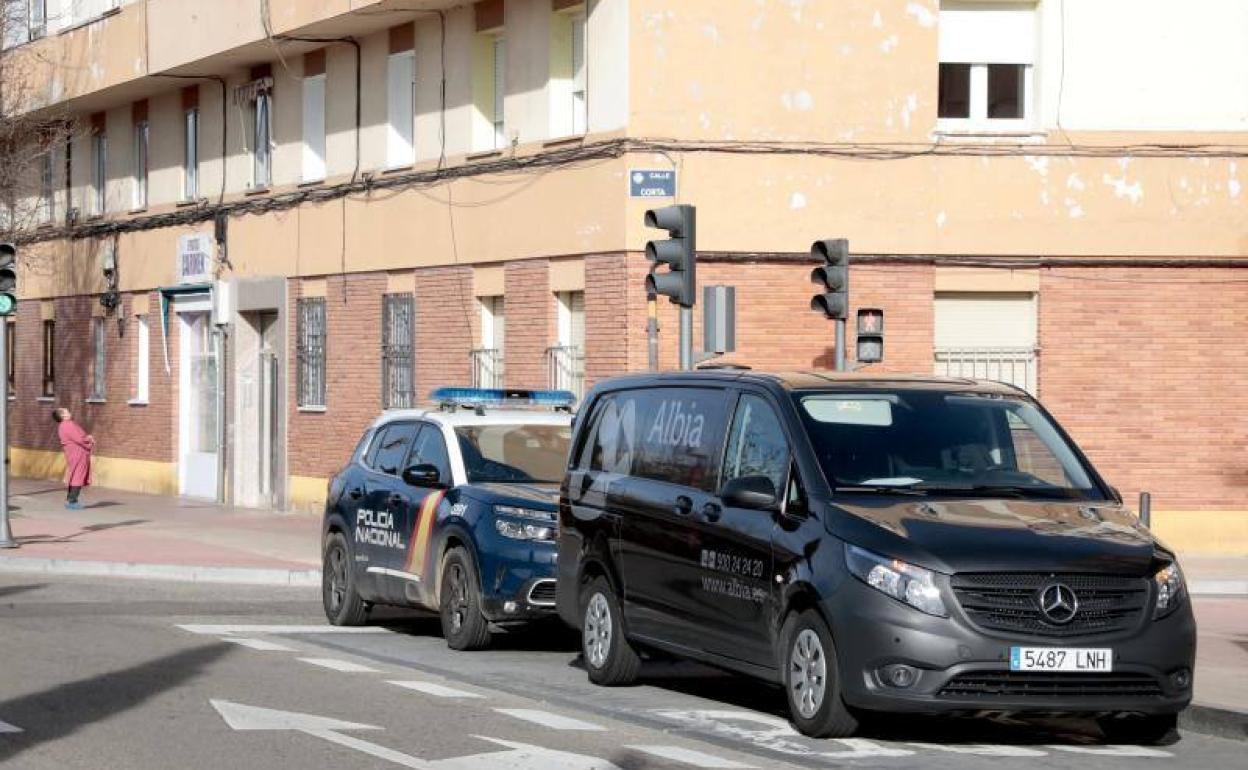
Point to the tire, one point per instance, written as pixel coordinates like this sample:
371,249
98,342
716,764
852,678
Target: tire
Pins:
811,678
610,660
339,595
459,604
1139,729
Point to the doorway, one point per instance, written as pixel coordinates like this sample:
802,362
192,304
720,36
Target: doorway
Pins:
258,441
197,400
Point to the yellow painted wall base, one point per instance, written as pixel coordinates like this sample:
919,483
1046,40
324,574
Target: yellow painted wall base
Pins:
1220,533
307,493
146,476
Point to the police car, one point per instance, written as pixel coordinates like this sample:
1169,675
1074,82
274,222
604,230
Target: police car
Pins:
451,509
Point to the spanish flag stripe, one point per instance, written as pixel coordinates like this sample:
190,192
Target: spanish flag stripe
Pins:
418,554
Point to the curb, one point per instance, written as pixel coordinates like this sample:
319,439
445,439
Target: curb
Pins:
1215,721
175,572
1218,587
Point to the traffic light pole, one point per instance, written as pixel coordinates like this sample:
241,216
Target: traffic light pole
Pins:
686,338
6,534
840,344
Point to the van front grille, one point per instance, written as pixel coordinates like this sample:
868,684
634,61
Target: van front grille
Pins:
1009,602
1021,685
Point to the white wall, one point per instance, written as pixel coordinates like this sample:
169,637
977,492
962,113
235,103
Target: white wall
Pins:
606,54
1145,64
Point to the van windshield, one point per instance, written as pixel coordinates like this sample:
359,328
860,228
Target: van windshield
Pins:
925,442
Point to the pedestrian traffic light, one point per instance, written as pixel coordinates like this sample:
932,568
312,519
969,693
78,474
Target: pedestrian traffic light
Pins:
679,253
870,335
832,277
8,279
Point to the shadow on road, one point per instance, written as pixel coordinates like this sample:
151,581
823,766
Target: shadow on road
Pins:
10,590
62,710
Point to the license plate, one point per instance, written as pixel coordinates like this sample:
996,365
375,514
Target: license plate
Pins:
1065,659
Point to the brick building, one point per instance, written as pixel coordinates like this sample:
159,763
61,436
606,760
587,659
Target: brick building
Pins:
1027,195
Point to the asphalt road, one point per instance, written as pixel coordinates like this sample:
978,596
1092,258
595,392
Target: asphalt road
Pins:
129,674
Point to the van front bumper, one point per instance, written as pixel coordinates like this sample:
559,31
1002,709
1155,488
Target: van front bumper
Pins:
961,669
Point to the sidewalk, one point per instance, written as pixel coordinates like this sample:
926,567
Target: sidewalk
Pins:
125,534
132,535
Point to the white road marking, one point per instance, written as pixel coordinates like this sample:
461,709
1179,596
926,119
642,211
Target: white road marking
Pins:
264,645
5,727
1113,751
775,734
436,690
983,750
689,757
345,666
547,719
246,630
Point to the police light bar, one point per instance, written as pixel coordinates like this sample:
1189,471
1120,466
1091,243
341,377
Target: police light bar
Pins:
480,397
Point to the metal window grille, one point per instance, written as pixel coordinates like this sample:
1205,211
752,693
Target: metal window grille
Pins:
49,358
310,350
487,368
98,357
567,368
1016,366
397,364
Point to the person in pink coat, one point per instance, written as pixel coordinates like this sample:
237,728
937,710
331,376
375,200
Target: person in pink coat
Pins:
77,445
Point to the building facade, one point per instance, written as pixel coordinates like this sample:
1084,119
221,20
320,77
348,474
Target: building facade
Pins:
302,212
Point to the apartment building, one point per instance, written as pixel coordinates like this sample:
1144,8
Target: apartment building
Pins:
300,213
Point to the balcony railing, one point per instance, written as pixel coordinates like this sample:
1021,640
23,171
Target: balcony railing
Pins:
1016,366
567,369
487,368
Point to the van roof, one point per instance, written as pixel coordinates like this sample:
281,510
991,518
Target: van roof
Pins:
827,380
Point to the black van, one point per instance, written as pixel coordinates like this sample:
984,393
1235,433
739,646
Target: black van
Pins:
872,544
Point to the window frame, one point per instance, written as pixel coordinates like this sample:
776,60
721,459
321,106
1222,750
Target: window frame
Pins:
314,160
311,358
398,156
498,81
142,363
398,356
977,120
142,160
48,343
190,154
47,188
262,138
99,173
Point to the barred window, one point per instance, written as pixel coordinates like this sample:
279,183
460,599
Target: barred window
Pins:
49,358
310,350
397,332
98,388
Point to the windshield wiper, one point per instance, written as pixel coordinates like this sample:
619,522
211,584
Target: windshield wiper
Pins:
881,489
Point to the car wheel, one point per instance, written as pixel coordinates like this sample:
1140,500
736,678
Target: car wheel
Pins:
463,625
1138,728
343,605
610,660
811,680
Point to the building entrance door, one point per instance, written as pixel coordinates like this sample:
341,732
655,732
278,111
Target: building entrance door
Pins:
267,382
197,401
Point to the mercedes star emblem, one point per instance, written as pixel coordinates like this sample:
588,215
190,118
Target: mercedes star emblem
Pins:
1058,603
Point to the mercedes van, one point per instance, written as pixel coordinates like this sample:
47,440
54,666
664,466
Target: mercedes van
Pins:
873,544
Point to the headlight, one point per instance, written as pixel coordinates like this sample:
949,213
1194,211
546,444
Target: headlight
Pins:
1170,590
904,582
535,524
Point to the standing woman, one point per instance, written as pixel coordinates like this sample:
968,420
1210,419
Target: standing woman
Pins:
77,445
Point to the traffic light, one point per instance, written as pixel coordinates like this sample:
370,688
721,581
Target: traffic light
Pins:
870,335
679,252
832,277
8,279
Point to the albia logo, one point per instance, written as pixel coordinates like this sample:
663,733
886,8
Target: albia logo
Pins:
674,426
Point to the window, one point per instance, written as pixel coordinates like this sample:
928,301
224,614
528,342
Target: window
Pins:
310,351
757,445
987,57
431,450
567,72
397,371
48,389
400,109
392,447
487,370
38,18
142,360
141,137
98,383
500,90
262,140
988,336
567,359
314,128
99,172
47,191
580,104
190,158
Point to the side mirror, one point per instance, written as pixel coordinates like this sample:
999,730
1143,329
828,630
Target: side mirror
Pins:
423,475
754,492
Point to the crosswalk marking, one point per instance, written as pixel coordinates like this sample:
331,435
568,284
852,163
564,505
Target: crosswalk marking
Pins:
245,630
436,690
263,645
5,727
547,719
689,757
334,664
1113,751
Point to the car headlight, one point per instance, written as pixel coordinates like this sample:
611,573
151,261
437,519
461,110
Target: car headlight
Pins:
535,524
1170,590
904,582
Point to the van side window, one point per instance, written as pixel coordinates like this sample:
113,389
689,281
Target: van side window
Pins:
673,435
757,445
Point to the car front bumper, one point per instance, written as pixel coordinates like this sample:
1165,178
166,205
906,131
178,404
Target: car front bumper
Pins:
961,669
518,581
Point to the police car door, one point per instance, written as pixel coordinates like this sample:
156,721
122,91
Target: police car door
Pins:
419,510
379,527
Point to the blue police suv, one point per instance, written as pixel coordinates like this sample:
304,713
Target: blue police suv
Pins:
451,509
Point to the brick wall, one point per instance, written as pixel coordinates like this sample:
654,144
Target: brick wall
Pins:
530,312
447,320
609,320
1146,369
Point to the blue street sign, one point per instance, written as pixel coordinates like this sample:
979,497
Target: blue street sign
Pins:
651,184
